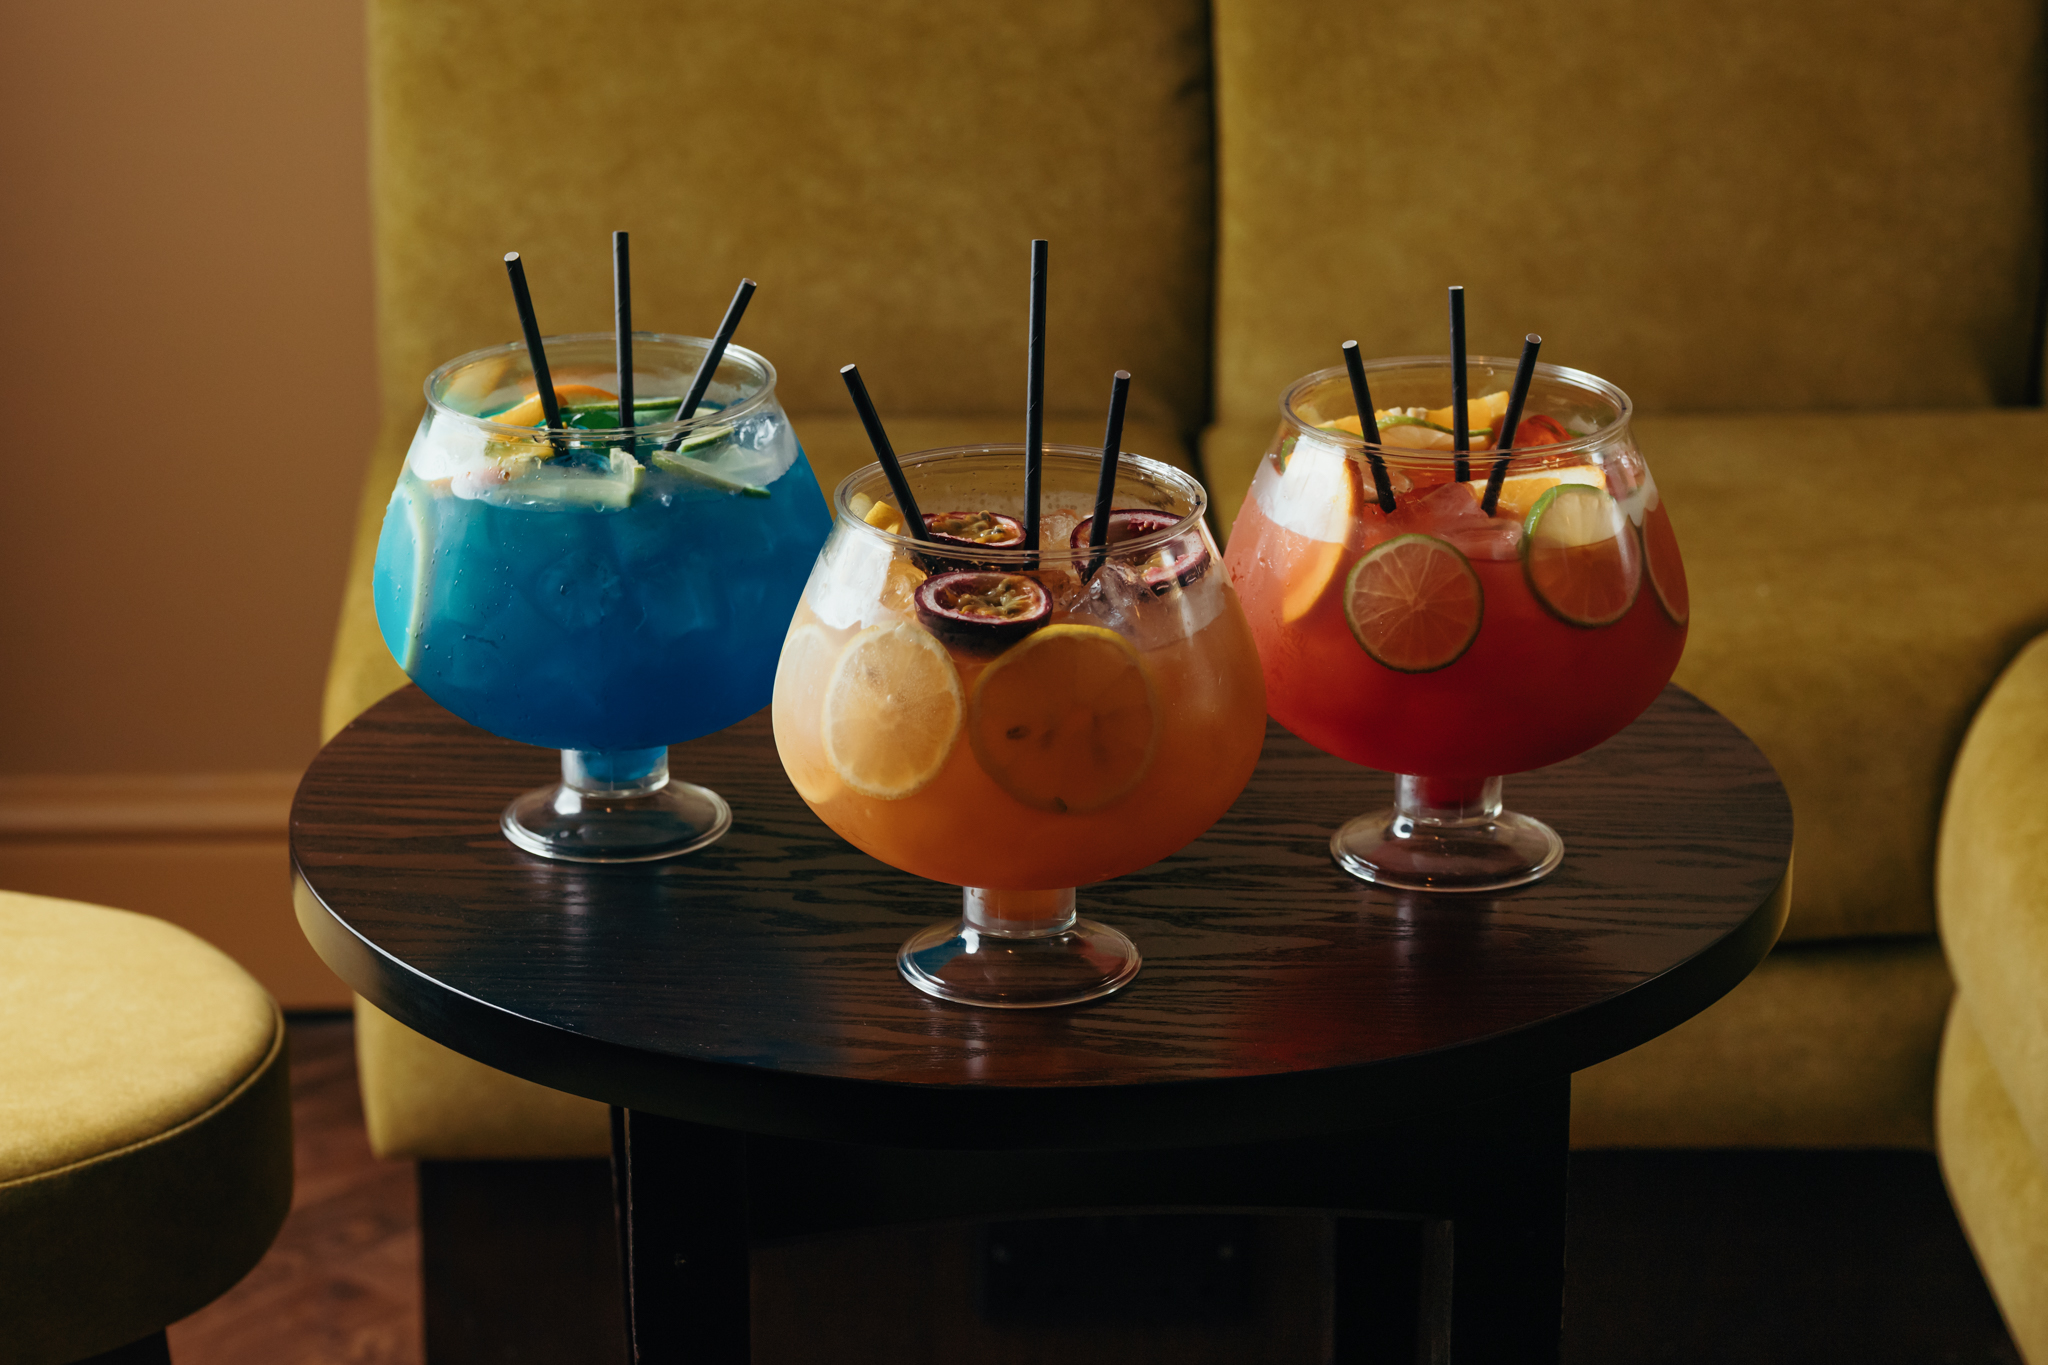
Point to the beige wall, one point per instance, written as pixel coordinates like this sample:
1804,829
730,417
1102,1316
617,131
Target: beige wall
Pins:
185,359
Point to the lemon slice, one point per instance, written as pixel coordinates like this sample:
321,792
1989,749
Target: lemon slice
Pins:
1066,720
892,711
405,566
801,676
1414,604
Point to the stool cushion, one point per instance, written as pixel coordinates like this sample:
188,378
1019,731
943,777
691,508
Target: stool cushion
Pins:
1996,1180
145,1126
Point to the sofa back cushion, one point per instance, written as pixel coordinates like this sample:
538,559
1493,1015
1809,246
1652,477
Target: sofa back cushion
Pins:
879,168
1720,206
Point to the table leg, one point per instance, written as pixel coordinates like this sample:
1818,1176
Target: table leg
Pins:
1474,1274
683,1207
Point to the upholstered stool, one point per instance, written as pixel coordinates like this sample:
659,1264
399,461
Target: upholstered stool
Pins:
145,1129
1991,1097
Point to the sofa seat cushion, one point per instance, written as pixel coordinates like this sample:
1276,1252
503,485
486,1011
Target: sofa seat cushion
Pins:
1993,884
1824,1045
145,1126
425,1102
1858,580
1995,1179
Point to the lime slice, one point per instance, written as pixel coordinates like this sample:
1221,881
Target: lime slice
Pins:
892,711
1066,720
1414,603
675,462
1580,556
1666,569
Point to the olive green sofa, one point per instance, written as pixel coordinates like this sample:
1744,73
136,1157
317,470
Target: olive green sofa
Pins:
1810,249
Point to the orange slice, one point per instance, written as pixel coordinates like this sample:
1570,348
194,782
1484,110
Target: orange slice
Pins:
1066,720
527,412
1519,492
1481,414
1308,578
1414,603
1580,555
1667,570
892,711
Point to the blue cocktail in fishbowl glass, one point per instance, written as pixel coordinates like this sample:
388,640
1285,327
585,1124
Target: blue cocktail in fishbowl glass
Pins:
602,589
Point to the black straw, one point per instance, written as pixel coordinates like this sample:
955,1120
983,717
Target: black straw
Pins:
1519,394
543,382
708,367
622,325
1105,486
913,520
1368,420
1461,437
1034,395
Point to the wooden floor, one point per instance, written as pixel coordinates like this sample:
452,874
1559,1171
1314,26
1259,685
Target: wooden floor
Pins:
1676,1258
341,1284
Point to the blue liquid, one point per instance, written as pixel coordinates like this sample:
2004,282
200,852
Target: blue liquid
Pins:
580,627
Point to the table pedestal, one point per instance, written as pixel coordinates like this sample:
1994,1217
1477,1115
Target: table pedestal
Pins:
1484,1184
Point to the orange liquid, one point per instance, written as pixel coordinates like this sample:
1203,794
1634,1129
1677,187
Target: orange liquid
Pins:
1530,691
964,829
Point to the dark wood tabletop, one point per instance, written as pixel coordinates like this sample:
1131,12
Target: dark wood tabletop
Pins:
753,986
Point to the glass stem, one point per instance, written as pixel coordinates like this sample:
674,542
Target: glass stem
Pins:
1447,800
615,773
1018,914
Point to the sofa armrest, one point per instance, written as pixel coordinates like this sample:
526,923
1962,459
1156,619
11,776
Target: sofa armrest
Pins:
1991,883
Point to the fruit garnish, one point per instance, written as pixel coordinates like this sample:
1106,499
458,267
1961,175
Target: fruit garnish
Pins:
1309,577
884,517
1482,415
974,610
800,676
1580,555
527,412
1666,569
983,530
698,471
1068,721
893,709
1177,563
1414,603
1519,492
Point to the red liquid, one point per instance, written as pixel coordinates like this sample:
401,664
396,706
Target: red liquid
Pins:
1530,691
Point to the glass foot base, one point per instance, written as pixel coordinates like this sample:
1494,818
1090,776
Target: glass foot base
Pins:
1016,963
604,827
1436,839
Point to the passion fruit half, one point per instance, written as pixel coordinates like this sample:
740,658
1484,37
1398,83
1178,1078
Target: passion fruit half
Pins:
977,610
976,530
1177,563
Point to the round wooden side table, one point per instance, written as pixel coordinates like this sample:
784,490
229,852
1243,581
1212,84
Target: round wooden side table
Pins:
1297,1040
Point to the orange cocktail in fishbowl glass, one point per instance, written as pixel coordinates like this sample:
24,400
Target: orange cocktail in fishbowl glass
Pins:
1016,723
1445,642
